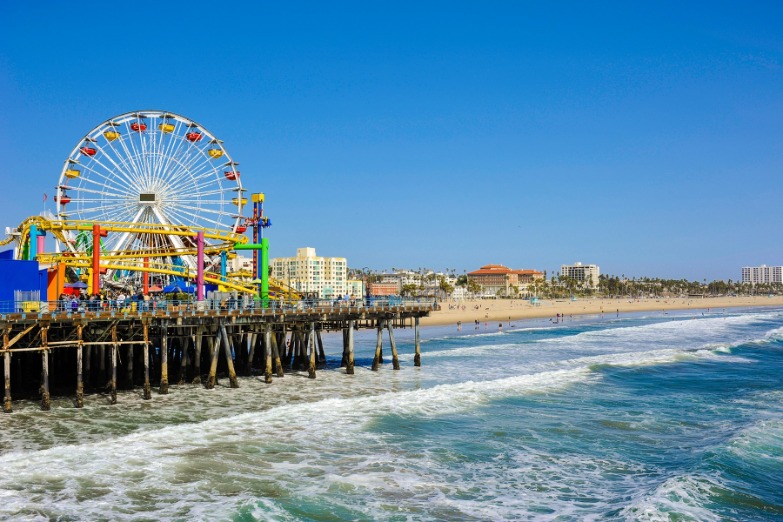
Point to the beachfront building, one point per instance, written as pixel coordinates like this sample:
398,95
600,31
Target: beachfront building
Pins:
421,283
497,280
307,273
580,272
762,274
376,289
240,265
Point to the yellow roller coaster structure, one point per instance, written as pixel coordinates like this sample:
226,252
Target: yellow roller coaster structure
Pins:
151,260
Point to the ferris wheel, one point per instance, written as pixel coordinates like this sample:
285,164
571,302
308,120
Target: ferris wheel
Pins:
150,167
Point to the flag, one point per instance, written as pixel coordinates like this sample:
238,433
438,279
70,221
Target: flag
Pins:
45,197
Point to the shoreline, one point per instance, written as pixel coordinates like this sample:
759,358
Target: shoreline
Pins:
503,310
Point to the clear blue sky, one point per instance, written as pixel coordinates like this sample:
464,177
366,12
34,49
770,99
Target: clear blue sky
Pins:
645,138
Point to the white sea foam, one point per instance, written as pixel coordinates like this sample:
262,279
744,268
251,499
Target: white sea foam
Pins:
680,498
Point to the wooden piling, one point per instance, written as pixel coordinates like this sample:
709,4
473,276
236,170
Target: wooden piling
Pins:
114,348
349,366
417,342
252,339
378,359
395,358
7,408
183,367
164,359
276,355
268,353
79,361
198,339
232,374
344,358
129,367
147,393
46,402
321,352
312,348
214,350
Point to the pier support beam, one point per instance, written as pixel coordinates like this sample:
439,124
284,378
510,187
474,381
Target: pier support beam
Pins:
378,359
268,354
214,350
232,374
311,345
417,342
198,339
147,393
321,353
395,358
46,403
253,339
183,363
7,372
276,355
114,348
79,361
349,366
164,360
344,359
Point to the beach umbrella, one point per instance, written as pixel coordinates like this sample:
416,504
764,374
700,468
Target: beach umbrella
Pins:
155,289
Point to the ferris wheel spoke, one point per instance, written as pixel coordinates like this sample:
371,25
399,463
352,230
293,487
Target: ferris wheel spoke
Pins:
174,149
107,181
131,152
117,170
190,167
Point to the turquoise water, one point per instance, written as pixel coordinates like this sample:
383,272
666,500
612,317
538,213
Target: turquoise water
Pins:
641,417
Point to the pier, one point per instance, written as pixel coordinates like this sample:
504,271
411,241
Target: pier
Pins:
62,352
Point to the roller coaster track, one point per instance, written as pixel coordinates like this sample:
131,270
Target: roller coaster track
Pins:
134,260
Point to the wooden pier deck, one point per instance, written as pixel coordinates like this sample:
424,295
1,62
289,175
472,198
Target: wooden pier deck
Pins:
73,353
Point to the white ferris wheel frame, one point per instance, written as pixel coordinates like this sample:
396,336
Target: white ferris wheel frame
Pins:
156,175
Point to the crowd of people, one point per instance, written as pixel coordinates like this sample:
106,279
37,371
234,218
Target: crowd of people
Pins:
110,300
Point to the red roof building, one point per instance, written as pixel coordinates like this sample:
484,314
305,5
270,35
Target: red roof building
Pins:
494,278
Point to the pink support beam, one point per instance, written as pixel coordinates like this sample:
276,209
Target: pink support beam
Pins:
200,266
146,277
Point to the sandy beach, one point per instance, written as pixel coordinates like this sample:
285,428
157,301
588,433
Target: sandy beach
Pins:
495,311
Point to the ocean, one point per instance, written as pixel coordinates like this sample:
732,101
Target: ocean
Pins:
648,416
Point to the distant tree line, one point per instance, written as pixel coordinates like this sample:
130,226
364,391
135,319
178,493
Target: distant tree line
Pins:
559,286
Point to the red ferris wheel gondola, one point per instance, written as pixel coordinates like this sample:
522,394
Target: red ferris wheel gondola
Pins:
193,137
138,126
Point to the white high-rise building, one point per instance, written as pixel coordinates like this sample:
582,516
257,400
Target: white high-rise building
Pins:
580,272
309,274
762,274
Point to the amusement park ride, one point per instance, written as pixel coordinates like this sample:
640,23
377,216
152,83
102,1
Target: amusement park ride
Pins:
150,192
